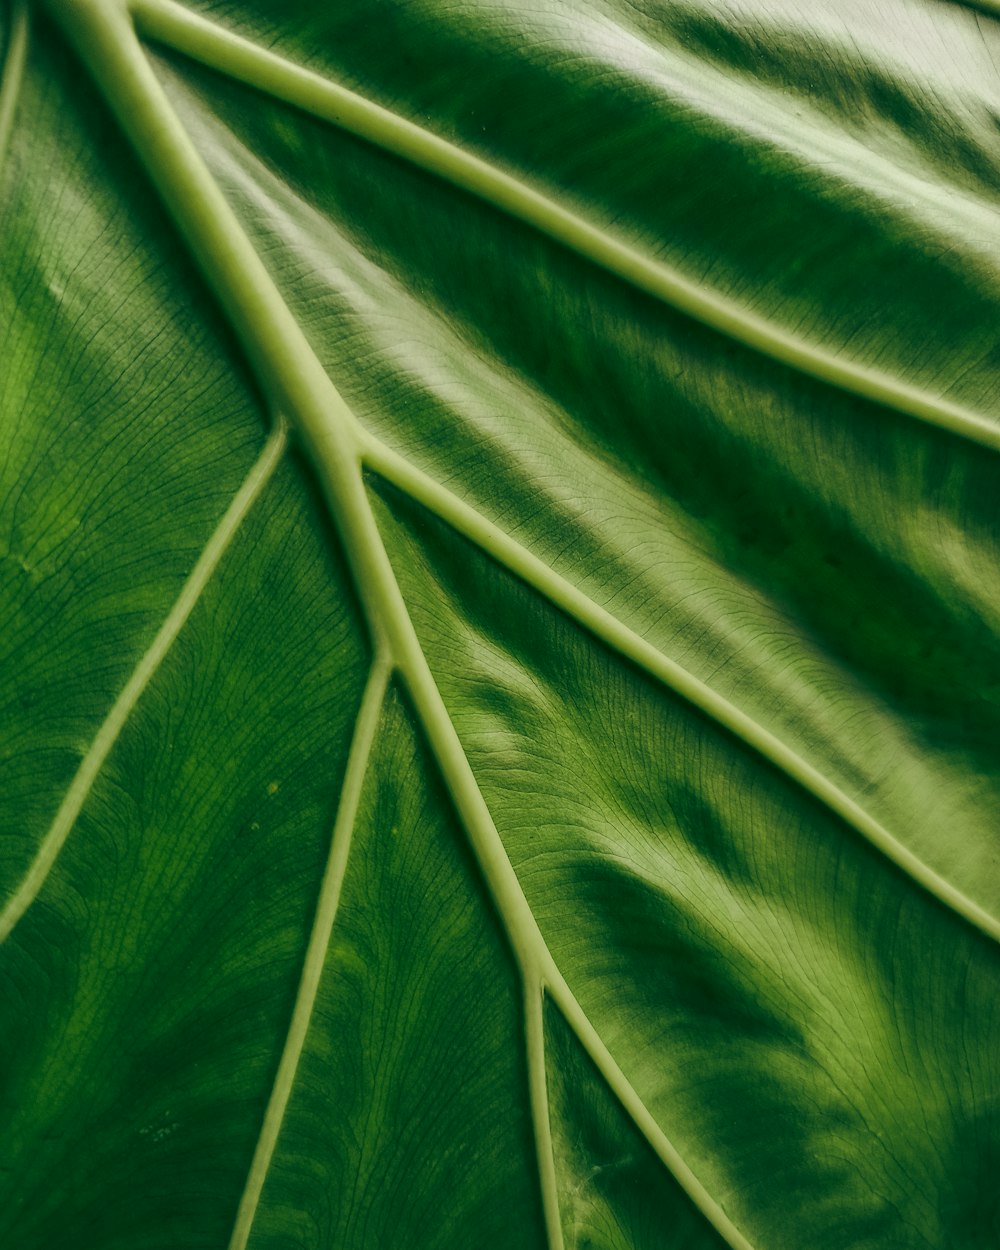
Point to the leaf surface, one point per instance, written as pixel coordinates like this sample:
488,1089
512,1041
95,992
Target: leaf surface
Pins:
499,654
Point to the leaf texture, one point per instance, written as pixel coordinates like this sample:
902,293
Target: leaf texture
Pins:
500,642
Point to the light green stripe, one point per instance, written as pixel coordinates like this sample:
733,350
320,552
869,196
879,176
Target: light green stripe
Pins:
316,952
13,73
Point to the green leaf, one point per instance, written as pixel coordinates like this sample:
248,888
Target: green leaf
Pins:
499,625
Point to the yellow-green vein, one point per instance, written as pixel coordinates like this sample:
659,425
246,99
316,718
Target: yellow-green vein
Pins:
12,74
316,951
106,737
538,1091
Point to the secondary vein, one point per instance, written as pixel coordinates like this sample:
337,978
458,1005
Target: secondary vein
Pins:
173,26
12,75
106,737
599,622
319,944
541,1121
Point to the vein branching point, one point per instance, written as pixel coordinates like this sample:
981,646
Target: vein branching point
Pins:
298,387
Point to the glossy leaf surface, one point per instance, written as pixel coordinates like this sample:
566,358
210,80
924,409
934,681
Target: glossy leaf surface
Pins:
499,625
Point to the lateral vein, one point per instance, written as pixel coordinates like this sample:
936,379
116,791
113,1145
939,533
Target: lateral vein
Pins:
316,951
170,24
465,520
106,737
541,1120
12,75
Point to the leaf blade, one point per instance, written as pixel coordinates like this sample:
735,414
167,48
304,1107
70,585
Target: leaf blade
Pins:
657,867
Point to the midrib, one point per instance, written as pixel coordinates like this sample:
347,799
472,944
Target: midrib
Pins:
614,633
298,388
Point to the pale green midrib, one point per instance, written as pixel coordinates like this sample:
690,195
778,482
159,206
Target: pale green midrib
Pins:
12,73
107,735
294,381
559,591
319,943
221,50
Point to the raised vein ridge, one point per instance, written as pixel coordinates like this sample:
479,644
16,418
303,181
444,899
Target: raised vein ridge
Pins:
12,74
145,670
173,26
